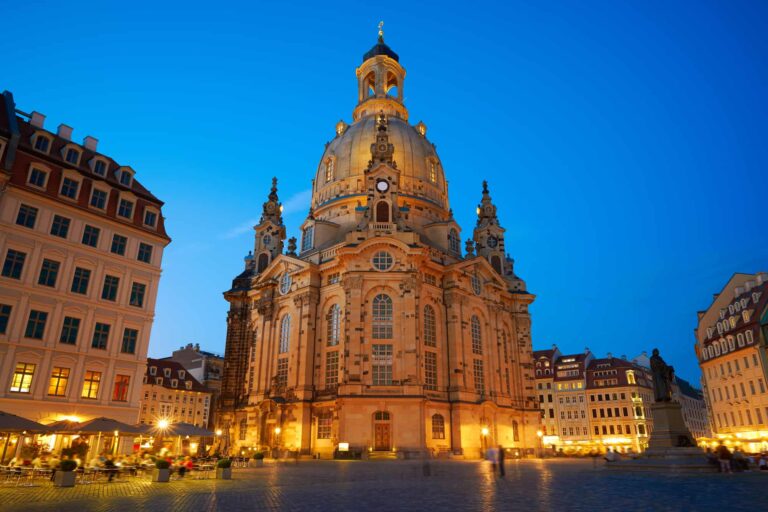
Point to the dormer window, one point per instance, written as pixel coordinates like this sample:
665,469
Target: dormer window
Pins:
42,143
100,167
182,374
153,370
188,384
159,381
167,372
328,170
432,171
722,314
307,238
72,156
174,383
709,332
744,303
745,315
150,218
126,178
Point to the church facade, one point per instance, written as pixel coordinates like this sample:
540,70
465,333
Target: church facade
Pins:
378,331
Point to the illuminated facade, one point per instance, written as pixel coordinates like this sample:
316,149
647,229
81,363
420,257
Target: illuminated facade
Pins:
731,348
171,393
377,331
81,243
544,371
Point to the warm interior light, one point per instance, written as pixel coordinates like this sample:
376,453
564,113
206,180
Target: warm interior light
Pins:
343,447
162,424
484,431
218,432
278,430
539,433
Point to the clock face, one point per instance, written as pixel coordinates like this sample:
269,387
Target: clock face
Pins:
492,242
267,239
382,186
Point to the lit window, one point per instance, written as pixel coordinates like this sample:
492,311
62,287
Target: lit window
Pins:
91,385
59,379
285,334
382,260
432,172
328,170
382,310
22,378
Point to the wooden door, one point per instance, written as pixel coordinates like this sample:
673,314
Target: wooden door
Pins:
381,437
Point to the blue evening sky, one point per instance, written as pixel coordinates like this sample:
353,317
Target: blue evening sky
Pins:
624,142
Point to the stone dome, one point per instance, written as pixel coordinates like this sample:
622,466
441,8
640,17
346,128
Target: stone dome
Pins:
421,173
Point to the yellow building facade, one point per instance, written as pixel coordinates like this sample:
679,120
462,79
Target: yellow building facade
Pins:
379,332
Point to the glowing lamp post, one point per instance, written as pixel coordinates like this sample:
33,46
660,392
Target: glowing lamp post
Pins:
540,434
484,437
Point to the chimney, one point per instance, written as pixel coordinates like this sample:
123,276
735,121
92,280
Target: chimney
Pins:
586,350
37,119
90,143
610,356
761,278
64,131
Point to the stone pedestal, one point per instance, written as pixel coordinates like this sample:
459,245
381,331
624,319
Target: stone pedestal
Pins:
671,446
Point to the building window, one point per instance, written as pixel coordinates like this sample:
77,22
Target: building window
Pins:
282,372
72,156
100,336
477,367
382,317
324,423
328,170
285,283
91,235
99,199
382,261
109,290
99,167
120,391
285,334
430,371
334,325
42,143
438,426
454,242
80,280
49,271
125,178
477,335
477,286
432,172
331,370
307,238
130,338
27,216
145,253
69,330
430,336
118,244
515,432
22,378
243,429
5,315
334,278
150,218
58,384
382,365
60,226
36,324
14,264
125,209
69,188
138,290
91,385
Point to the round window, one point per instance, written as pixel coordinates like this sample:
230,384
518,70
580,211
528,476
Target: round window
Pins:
382,260
285,284
477,286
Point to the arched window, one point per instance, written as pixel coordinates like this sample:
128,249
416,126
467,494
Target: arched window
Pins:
750,337
432,171
515,432
496,263
328,170
382,211
391,86
430,336
381,416
243,429
477,335
369,85
438,427
263,262
453,241
285,333
334,325
307,238
382,317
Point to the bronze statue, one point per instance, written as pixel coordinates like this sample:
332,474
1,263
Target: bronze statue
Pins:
663,377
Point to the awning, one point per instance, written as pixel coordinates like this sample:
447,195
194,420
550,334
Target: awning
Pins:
108,426
12,423
183,429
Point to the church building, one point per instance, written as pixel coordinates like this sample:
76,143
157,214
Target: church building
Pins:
377,334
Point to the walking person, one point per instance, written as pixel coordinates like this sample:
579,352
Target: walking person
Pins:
501,462
724,456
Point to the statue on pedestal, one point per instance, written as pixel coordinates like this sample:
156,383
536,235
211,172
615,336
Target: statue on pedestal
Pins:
663,377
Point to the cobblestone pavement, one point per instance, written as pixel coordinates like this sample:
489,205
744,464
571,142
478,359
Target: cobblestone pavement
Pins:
564,485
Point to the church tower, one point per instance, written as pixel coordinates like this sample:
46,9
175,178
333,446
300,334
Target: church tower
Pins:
489,235
270,231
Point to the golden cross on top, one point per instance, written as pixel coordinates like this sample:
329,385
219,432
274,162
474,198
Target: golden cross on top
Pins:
381,30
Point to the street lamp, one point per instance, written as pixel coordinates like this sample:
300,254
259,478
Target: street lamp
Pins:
540,434
484,433
277,440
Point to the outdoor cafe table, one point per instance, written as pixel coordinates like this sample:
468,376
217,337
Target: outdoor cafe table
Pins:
28,474
203,470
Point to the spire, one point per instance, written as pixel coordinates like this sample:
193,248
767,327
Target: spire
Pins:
272,209
381,149
381,31
486,211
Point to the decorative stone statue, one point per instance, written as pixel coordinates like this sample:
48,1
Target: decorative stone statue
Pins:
663,377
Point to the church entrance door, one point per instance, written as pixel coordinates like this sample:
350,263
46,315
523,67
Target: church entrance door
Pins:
381,440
